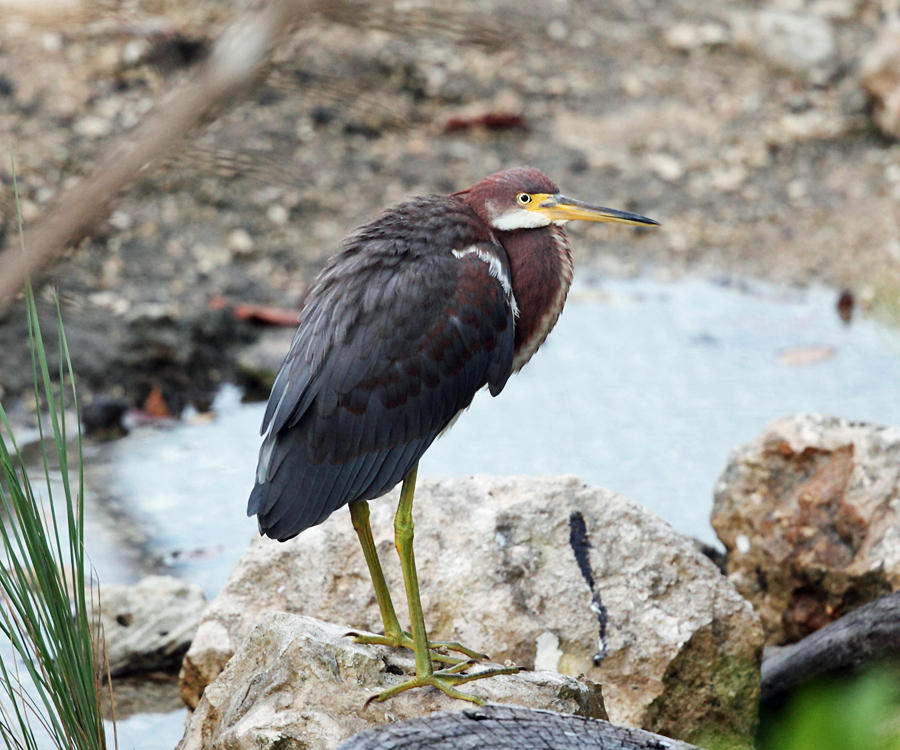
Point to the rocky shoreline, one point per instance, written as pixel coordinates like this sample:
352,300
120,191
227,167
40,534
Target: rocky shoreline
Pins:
765,140
677,651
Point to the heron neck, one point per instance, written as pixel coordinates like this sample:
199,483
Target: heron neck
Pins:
541,270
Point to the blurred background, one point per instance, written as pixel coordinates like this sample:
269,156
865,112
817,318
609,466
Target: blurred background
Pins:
763,135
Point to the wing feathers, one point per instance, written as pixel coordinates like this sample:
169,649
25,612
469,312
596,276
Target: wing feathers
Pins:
396,337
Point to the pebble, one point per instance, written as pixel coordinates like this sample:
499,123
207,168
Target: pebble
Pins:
728,178
93,127
239,242
121,220
666,166
207,258
842,10
807,126
277,214
133,51
30,210
687,36
111,301
796,189
52,42
557,30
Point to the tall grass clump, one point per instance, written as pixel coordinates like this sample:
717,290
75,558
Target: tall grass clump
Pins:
49,672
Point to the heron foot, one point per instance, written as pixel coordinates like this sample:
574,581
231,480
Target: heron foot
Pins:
446,681
405,640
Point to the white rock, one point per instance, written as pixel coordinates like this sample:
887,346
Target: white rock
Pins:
149,625
239,242
300,682
93,127
666,166
134,50
498,570
277,214
689,36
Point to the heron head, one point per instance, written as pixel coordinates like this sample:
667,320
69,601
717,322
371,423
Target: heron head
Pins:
525,198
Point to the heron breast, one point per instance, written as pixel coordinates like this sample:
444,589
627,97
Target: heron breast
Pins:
542,269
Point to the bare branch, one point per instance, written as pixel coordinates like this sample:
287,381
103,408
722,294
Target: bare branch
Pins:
238,57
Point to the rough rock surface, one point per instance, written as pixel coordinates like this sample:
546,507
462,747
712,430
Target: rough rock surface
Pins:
151,624
530,570
298,681
810,514
880,74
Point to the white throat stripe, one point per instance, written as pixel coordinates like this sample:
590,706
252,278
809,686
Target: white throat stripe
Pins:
495,269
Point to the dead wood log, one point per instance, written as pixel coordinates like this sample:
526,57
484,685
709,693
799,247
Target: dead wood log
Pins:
865,635
501,726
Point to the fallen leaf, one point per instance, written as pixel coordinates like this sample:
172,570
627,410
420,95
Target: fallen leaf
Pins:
805,355
155,404
488,121
273,316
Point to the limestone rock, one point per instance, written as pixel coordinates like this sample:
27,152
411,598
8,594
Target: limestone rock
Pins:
810,514
880,76
298,681
149,625
530,570
801,42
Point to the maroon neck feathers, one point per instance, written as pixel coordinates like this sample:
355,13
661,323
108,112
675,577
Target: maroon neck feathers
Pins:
541,269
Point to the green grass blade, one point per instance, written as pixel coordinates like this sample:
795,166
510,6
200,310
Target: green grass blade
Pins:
54,686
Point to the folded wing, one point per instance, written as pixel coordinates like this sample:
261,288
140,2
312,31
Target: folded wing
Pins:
393,342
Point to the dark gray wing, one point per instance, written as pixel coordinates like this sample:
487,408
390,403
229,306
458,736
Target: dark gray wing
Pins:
395,339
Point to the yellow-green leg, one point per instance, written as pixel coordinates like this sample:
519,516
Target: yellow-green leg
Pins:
444,679
359,515
394,636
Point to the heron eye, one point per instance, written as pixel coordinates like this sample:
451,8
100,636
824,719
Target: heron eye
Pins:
523,198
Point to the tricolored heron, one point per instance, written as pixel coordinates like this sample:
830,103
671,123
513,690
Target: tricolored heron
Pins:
421,308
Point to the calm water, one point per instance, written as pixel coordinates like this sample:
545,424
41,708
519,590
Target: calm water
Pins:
643,387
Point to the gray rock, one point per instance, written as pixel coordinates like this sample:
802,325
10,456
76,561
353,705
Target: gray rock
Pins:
300,682
149,625
258,363
880,76
522,568
800,42
809,512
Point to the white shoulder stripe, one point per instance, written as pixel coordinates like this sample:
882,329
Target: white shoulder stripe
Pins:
495,269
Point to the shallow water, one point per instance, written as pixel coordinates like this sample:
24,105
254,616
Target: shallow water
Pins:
643,387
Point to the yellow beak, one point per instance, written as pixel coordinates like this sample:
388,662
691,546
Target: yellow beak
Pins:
559,208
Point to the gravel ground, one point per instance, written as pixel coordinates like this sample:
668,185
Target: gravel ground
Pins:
743,127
